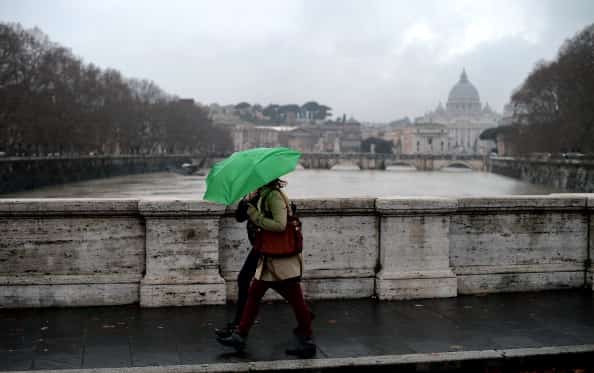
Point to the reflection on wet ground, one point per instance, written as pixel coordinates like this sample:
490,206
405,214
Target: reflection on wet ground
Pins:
122,336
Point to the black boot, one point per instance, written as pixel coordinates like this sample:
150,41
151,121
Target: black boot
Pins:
225,331
234,340
304,348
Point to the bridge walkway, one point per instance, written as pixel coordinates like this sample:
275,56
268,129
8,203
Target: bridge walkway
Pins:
348,332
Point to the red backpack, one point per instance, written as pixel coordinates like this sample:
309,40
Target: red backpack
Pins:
281,244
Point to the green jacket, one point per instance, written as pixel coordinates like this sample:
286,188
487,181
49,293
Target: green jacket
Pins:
271,214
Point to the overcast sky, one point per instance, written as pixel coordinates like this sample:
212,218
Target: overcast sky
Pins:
375,60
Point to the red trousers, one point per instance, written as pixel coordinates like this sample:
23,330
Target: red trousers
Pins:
291,291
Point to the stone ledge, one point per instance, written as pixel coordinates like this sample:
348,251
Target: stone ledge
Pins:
98,157
209,276
338,273
542,351
339,288
521,203
503,269
22,279
335,206
416,285
519,282
362,206
68,295
383,362
549,161
179,208
399,275
164,295
319,273
68,206
313,288
415,205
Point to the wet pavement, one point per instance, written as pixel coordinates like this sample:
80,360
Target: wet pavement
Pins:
126,336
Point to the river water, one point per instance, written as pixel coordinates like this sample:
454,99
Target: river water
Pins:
303,184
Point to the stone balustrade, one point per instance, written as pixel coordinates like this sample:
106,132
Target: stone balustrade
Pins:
23,173
571,175
81,252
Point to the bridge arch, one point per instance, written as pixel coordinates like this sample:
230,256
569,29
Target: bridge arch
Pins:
458,164
344,164
401,163
365,161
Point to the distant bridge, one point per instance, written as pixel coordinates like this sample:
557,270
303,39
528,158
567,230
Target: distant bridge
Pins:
371,161
22,173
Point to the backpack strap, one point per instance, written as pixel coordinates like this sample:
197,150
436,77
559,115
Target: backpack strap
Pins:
289,209
284,197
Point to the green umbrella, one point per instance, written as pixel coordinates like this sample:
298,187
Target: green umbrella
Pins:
243,172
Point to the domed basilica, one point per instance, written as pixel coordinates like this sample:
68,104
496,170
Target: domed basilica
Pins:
463,118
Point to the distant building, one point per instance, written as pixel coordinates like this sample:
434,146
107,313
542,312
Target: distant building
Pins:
508,114
430,138
224,115
330,137
419,138
246,136
305,140
465,118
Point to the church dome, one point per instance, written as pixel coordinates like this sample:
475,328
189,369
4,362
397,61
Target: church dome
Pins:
463,92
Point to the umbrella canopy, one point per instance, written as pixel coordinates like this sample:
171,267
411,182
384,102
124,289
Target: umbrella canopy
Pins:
243,172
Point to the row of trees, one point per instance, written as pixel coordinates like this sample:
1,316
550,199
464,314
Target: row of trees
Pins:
309,112
51,102
554,108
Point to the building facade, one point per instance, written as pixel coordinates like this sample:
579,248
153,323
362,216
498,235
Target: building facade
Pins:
418,138
247,136
330,137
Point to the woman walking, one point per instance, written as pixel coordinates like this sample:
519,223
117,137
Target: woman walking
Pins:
283,274
248,269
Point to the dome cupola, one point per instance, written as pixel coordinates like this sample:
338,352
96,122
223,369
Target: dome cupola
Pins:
464,97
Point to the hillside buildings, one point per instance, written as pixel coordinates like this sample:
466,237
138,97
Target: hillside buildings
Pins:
333,137
451,129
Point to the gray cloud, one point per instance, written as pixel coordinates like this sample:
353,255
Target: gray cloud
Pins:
377,60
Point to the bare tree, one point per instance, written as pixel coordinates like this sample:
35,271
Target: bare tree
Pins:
51,102
554,108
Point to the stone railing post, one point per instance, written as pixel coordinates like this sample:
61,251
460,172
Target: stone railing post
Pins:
519,243
414,248
70,252
182,254
590,204
340,248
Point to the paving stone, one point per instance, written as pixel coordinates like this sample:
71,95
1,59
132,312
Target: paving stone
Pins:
16,360
126,336
58,353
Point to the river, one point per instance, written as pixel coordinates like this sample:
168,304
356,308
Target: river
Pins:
303,184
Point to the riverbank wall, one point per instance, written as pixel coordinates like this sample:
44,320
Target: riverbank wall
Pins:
18,174
82,252
567,175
